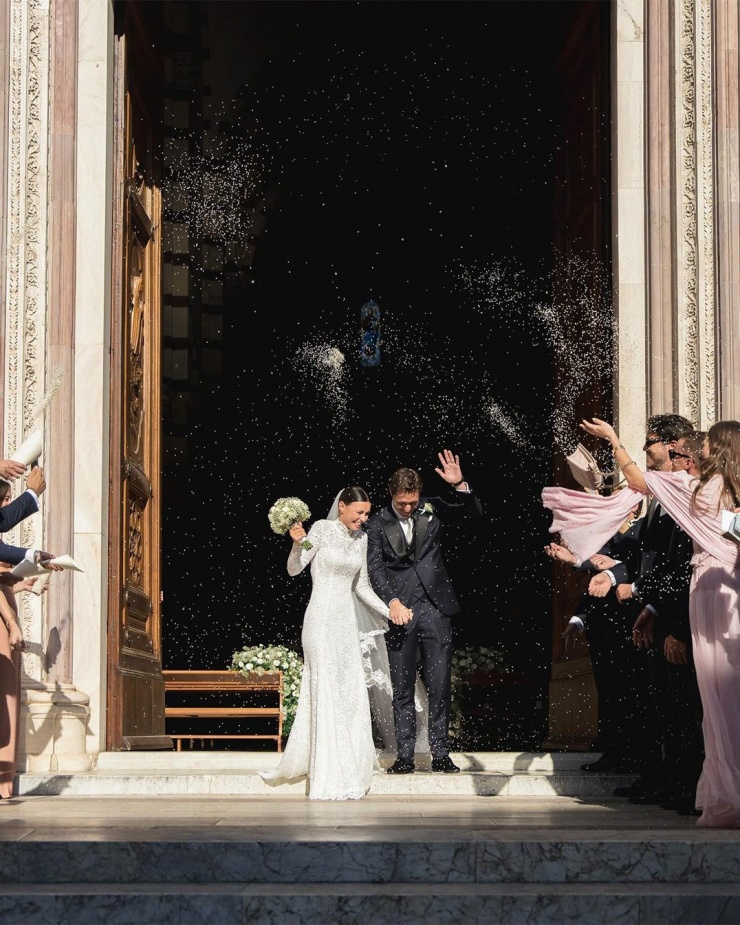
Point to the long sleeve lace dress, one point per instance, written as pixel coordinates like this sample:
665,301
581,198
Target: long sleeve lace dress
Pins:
331,741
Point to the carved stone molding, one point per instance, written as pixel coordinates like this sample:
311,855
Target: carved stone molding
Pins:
687,364
695,364
26,211
726,39
705,181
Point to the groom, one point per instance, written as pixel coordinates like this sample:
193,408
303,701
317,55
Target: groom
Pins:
407,570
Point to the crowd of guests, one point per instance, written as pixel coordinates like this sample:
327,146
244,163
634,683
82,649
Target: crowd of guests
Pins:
661,614
12,643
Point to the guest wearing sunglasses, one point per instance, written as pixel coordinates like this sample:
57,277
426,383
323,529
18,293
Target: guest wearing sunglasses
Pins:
663,628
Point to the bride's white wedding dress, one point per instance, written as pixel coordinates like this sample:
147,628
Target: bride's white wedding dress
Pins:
331,741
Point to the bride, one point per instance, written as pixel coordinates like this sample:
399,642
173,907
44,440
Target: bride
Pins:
331,740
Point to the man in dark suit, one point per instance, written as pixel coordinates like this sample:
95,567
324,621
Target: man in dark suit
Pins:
663,629
663,552
407,569
12,514
626,731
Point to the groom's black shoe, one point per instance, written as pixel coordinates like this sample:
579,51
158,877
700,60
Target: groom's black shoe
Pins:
445,764
401,766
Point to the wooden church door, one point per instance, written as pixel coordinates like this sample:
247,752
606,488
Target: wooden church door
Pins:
135,683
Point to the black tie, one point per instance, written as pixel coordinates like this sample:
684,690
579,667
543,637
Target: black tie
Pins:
652,508
414,521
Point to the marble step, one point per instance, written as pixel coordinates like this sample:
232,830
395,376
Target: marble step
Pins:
357,904
172,782
204,772
214,760
483,857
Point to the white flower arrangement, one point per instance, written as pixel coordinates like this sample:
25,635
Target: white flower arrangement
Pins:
428,508
260,659
285,513
467,661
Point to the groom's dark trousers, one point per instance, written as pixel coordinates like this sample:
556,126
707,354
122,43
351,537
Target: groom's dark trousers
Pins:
430,634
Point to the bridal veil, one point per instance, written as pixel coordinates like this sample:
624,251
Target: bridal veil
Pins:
372,628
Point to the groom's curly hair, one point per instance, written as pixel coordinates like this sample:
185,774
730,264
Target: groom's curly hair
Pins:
404,480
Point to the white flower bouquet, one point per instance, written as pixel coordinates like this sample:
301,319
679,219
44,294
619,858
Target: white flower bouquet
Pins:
286,512
259,659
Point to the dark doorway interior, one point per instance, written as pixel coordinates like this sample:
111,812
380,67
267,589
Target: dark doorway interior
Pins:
405,154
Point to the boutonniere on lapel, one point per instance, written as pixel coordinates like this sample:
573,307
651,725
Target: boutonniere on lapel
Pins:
428,509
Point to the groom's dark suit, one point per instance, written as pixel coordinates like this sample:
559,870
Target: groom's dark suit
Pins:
415,573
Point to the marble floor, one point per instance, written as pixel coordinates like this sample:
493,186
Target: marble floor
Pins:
381,818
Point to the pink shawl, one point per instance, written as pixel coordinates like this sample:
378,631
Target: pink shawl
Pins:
585,522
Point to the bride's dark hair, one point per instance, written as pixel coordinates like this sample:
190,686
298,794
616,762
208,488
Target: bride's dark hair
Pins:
352,494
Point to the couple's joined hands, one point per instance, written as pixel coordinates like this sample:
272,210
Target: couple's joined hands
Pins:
399,614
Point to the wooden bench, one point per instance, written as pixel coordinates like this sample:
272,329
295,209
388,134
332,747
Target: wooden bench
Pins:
218,682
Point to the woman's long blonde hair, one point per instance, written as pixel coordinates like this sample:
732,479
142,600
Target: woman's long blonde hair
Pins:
724,458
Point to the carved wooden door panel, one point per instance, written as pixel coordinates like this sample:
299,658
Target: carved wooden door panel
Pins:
581,231
135,683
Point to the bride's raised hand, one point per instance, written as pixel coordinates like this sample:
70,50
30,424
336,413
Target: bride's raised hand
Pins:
598,428
297,533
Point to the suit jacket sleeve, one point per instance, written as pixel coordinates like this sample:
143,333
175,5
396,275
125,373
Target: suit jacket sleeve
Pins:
665,587
12,514
364,591
467,505
375,565
12,554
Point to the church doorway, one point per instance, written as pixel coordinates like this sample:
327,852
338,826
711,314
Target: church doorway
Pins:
316,157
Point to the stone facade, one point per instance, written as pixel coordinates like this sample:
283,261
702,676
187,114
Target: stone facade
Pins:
676,248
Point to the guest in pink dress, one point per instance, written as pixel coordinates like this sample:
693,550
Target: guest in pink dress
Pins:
585,522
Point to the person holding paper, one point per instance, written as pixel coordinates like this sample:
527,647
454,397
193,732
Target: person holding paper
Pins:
27,503
584,522
11,646
10,469
13,512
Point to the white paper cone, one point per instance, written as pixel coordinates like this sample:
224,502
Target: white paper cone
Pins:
41,582
26,569
66,562
29,450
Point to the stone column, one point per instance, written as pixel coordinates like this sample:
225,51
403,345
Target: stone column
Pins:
727,147
95,134
628,217
660,213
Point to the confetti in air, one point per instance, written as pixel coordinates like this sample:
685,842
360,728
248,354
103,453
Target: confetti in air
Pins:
579,325
506,424
55,382
214,188
326,370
